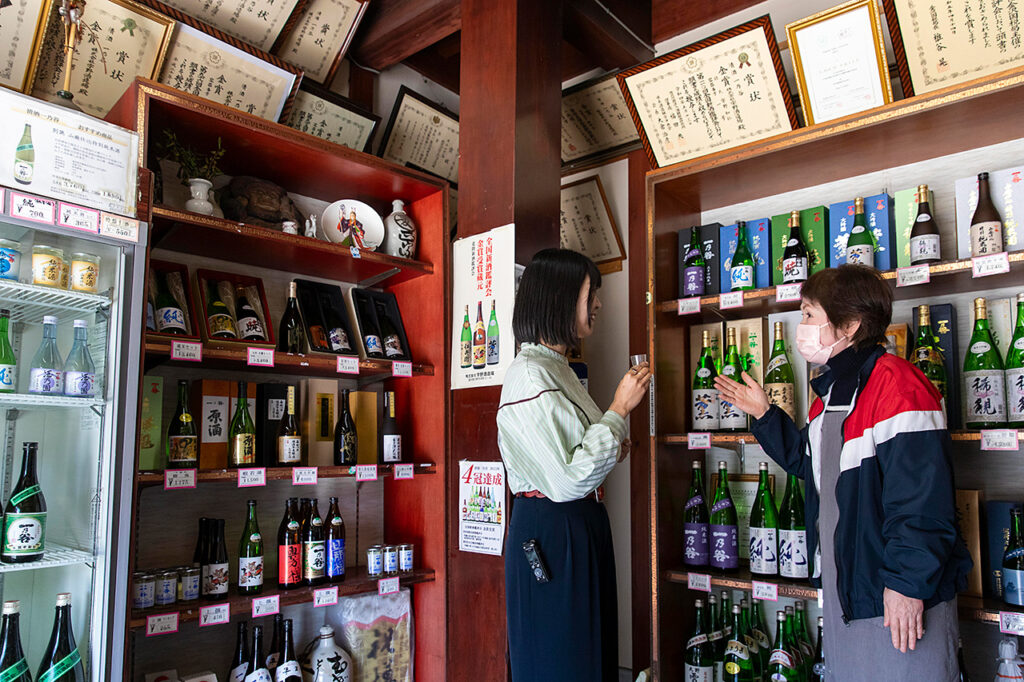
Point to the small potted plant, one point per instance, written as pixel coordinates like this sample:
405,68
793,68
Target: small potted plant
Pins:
196,170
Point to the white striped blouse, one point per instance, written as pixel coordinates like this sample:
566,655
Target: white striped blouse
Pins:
552,436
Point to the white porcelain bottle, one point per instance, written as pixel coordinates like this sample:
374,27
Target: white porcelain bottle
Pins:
399,232
330,663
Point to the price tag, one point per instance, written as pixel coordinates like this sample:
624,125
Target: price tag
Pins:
688,306
733,299
913,275
387,586
78,218
161,624
995,264
218,614
252,478
403,472
765,591
366,472
261,357
266,606
33,208
788,292
348,365
698,441
117,227
699,581
354,250
190,351
999,439
1011,622
303,475
175,479
327,596
401,369
821,600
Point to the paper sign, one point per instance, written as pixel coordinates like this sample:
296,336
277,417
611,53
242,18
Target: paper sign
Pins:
1011,622
401,369
251,478
995,264
788,292
327,596
179,478
354,250
33,208
765,591
218,614
348,365
191,351
699,581
266,606
733,299
403,472
999,439
117,227
481,507
161,624
699,441
261,357
303,475
688,306
78,218
387,586
366,472
913,275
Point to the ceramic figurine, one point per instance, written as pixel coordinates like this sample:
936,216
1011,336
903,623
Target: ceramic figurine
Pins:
311,226
399,232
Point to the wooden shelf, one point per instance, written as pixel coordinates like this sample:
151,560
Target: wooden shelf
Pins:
743,579
984,610
747,437
145,479
356,582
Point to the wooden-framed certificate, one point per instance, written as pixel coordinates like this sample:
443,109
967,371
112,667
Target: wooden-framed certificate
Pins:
21,27
423,135
256,22
839,61
120,40
331,117
715,94
595,120
321,37
587,225
938,44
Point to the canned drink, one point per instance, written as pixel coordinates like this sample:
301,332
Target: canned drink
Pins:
390,559
375,561
405,554
10,259
143,590
190,584
166,587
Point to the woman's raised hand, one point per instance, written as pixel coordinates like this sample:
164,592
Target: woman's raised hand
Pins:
632,389
750,398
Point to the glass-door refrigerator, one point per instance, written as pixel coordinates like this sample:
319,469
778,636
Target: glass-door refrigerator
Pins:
72,265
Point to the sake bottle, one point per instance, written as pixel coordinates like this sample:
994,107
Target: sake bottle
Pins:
764,528
860,248
182,439
924,236
741,269
738,666
256,670
479,339
759,629
466,342
169,317
218,318
926,355
818,666
13,666
1015,371
724,533
695,520
240,661
986,224
330,662
25,514
694,266
798,657
242,432
61,660
781,667
778,377
288,669
249,326
79,369
985,395
493,337
792,532
802,637
700,655
706,407
716,635
731,418
750,640
8,361
794,257
1013,562
250,555
47,369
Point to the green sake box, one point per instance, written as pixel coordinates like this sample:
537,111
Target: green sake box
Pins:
814,226
151,430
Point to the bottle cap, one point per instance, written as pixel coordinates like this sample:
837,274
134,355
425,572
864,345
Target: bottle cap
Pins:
799,604
780,616
12,606
858,203
49,319
731,334
794,214
922,190
789,610
697,602
4,312
763,466
821,621
712,599
722,465
64,599
697,464
81,323
736,608
983,176
326,631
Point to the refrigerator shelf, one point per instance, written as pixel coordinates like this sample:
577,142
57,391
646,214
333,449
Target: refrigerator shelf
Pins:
19,400
53,555
30,302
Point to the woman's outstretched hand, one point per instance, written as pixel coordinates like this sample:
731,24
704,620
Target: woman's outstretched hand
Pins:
750,398
632,389
904,616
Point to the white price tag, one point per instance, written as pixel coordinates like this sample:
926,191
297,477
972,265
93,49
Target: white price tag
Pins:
117,227
261,357
33,208
303,475
404,472
1011,622
78,218
161,624
175,479
387,586
218,614
733,299
366,472
688,306
821,600
699,581
252,478
354,250
327,596
913,275
999,439
765,591
401,369
190,351
994,264
266,606
788,292
698,441
348,365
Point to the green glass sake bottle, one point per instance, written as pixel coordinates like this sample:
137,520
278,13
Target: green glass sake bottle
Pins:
764,528
700,655
818,666
242,432
738,665
759,629
778,376
803,638
751,640
730,417
716,635
985,395
695,520
741,269
860,248
1015,371
8,362
706,407
792,532
725,554
250,555
781,666
795,652
926,355
725,615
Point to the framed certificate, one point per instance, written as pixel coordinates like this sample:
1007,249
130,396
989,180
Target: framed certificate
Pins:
942,44
715,94
587,225
321,37
119,41
331,117
21,28
255,22
595,121
423,135
839,61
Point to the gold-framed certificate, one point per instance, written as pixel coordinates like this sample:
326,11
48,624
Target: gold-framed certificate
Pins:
329,116
422,135
587,225
595,120
321,37
21,27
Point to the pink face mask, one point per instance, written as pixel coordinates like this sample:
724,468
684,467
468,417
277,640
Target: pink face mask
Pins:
809,345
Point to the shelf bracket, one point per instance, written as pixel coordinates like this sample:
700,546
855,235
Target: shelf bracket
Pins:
377,279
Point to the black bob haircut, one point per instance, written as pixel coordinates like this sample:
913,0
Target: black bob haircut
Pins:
545,309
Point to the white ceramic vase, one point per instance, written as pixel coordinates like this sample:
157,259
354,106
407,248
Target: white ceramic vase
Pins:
399,232
200,201
329,662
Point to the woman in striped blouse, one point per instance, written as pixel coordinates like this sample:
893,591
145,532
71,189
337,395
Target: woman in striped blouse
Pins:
558,448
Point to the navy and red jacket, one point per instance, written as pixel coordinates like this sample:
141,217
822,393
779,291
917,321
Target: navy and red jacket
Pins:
897,523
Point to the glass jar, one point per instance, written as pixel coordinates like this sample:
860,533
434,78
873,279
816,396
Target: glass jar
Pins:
10,259
166,587
190,584
143,589
85,272
47,265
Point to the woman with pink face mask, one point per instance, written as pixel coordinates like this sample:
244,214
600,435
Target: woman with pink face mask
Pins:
882,535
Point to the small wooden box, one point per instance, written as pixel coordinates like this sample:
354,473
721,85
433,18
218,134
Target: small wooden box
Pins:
753,342
319,415
178,285
151,428
312,298
968,512
208,278
211,406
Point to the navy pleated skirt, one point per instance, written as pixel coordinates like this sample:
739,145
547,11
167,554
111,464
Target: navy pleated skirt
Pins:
566,629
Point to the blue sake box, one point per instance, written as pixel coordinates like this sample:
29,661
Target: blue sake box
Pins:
879,212
759,241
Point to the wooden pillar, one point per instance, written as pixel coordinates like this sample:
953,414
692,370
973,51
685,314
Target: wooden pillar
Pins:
509,146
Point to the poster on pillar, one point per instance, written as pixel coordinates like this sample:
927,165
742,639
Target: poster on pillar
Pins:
484,291
481,507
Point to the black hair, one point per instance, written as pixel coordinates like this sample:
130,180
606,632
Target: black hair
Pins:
853,293
545,309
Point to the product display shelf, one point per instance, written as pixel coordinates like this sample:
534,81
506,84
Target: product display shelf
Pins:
9,401
748,438
985,610
743,579
30,302
146,479
54,555
356,582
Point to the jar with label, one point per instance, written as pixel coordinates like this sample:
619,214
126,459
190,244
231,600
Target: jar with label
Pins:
190,584
47,265
85,272
405,557
10,259
390,560
166,587
143,590
375,561
65,273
